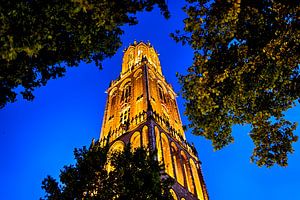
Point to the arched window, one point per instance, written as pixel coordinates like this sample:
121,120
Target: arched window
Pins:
113,99
187,172
145,136
173,194
161,94
137,74
112,103
126,93
135,140
177,164
117,146
124,116
167,155
196,180
130,60
158,144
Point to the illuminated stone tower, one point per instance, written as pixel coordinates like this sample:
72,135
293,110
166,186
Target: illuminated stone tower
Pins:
141,109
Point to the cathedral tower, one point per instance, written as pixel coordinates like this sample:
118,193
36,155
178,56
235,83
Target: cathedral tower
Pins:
141,109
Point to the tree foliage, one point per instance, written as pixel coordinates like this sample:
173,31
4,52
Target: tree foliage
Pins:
245,71
132,175
38,39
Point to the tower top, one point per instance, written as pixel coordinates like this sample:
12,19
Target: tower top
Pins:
141,109
138,52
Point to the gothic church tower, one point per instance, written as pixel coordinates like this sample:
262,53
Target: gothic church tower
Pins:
141,109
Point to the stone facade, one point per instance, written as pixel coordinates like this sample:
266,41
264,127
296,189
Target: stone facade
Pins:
141,109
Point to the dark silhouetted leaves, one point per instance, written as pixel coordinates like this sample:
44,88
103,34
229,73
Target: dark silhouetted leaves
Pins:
245,71
39,39
134,175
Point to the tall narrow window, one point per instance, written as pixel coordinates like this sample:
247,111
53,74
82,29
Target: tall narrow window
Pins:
145,137
187,172
135,140
177,164
173,194
158,144
112,105
117,146
167,155
126,93
197,180
161,94
113,101
124,117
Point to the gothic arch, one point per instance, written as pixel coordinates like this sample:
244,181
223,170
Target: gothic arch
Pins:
135,140
138,85
129,50
117,146
159,82
161,92
128,59
158,144
126,91
167,155
137,73
143,49
196,179
113,100
177,164
151,75
173,194
154,57
112,91
171,95
187,172
126,81
145,137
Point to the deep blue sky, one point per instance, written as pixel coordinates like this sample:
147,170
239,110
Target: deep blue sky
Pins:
37,138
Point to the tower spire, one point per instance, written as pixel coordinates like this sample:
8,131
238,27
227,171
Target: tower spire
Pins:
141,109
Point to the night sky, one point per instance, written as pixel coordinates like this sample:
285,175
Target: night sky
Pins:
37,138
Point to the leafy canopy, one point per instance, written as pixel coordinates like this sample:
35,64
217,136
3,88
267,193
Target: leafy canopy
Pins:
133,175
245,71
39,39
